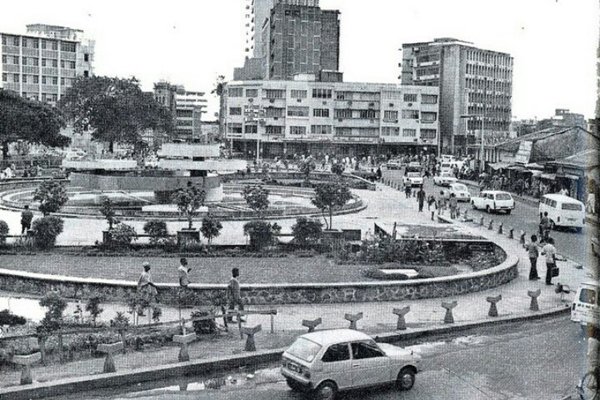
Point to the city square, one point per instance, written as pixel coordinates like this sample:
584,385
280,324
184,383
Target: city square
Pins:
239,239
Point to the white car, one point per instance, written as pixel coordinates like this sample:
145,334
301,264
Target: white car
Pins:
394,164
459,190
493,200
326,362
444,179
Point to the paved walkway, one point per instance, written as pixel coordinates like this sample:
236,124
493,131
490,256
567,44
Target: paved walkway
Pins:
386,206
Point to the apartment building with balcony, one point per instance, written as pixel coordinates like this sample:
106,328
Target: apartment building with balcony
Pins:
42,63
472,81
342,118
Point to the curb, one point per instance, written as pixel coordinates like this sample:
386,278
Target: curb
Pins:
196,367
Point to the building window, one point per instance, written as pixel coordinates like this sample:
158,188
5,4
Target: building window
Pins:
55,80
54,45
390,116
36,79
390,131
321,112
235,91
86,74
35,62
343,95
16,41
343,131
297,112
274,130
55,63
321,93
297,130
235,110
62,63
4,77
429,99
428,117
410,97
343,113
44,62
44,80
16,78
320,129
251,92
67,46
299,94
4,58
86,57
44,45
368,114
16,60
3,40
72,64
409,132
234,128
275,93
251,128
410,114
24,81
35,44
428,133
272,112
62,81
25,61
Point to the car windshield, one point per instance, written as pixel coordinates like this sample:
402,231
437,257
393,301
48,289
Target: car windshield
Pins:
460,188
571,206
304,349
413,174
503,196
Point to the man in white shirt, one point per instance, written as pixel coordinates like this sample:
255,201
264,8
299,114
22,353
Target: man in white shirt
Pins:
183,273
550,252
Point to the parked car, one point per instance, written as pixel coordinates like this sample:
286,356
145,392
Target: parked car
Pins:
444,179
563,211
394,164
460,192
413,176
325,362
585,309
493,200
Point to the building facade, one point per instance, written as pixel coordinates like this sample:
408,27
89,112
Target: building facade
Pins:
283,118
186,107
475,90
43,63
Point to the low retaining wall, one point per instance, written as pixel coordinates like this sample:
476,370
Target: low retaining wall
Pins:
82,288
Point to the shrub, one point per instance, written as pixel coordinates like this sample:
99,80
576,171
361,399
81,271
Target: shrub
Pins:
157,230
109,213
52,195
256,197
120,320
307,231
122,235
188,201
93,307
3,231
46,230
204,326
8,318
211,228
53,318
261,233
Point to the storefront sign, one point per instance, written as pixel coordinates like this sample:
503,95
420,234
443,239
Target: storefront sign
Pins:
524,153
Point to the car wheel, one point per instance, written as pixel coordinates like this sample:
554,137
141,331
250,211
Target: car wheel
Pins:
405,379
294,385
508,212
326,391
578,229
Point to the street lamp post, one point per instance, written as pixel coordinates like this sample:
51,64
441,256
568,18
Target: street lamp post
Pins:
482,148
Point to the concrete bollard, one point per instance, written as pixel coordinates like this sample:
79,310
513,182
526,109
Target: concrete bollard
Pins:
250,332
493,308
183,341
449,318
511,233
401,312
109,349
534,294
26,362
311,324
500,228
481,221
491,225
353,318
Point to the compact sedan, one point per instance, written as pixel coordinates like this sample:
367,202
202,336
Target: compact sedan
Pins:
459,190
444,179
493,200
324,362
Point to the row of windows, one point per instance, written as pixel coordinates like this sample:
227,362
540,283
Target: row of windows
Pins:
35,43
489,58
35,79
45,96
488,71
318,93
328,129
34,61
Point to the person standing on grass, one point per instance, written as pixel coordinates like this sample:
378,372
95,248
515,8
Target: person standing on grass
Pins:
550,252
533,252
146,288
26,218
234,294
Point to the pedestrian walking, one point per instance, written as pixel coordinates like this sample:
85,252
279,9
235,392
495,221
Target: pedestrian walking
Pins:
550,252
407,190
183,273
421,198
545,226
233,293
533,252
26,218
430,202
146,289
453,202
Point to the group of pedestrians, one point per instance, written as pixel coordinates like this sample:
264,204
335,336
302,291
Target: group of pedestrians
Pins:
549,252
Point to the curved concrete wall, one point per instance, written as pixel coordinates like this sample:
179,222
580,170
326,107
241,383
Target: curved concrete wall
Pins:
141,183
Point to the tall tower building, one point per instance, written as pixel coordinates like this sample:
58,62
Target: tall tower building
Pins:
475,90
43,63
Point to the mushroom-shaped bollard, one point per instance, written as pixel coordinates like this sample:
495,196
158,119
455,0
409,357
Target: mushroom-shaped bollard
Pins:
481,221
501,228
401,312
26,362
109,349
534,294
250,332
311,324
353,318
183,341
491,225
493,308
511,233
449,318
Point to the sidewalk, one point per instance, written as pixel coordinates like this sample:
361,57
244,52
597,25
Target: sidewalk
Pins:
424,314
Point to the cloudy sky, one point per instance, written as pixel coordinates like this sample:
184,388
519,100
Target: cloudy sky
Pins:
553,42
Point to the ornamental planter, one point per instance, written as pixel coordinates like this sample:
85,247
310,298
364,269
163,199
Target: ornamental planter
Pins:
187,236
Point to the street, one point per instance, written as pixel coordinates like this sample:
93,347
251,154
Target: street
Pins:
524,217
530,360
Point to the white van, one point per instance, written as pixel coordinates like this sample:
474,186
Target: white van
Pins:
563,211
585,309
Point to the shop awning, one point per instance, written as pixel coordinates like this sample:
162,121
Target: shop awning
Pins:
568,176
548,176
535,172
498,165
520,168
534,166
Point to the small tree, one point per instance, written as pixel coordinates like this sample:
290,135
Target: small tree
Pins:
56,305
122,235
211,228
328,196
261,233
338,169
257,197
307,231
109,213
52,195
46,230
157,230
3,231
93,307
188,201
306,167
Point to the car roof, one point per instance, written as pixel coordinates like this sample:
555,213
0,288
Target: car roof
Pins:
331,336
494,191
562,198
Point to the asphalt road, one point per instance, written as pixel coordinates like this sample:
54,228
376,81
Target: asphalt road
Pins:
524,217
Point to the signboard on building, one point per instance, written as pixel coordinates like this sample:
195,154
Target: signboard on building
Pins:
524,152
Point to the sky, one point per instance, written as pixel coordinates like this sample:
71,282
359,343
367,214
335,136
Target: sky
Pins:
191,42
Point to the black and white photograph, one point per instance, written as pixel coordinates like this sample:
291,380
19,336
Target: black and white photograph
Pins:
299,199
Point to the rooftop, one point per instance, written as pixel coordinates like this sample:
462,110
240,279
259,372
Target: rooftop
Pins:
327,337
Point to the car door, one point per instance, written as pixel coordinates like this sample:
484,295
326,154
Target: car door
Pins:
337,365
370,365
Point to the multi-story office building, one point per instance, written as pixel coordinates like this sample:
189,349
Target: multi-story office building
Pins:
187,108
43,63
475,89
342,118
